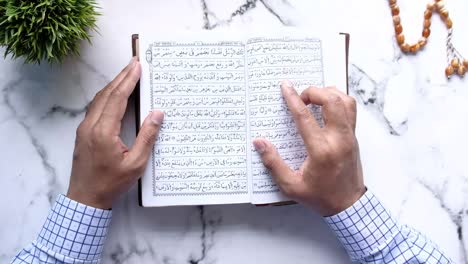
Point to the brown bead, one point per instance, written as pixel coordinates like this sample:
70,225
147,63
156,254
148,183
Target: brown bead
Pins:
400,39
449,71
395,10
449,23
396,20
455,63
427,23
414,48
465,63
422,42
440,5
405,47
430,6
392,2
444,13
461,70
398,29
427,14
426,32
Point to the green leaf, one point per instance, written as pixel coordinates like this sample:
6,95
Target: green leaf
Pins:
49,50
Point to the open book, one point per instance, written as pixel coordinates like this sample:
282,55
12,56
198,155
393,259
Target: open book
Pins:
217,96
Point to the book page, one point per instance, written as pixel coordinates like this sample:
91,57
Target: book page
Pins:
201,151
270,60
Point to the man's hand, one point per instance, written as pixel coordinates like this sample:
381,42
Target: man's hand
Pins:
330,180
103,167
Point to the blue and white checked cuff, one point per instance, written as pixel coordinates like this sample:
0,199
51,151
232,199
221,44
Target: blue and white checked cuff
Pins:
363,228
74,230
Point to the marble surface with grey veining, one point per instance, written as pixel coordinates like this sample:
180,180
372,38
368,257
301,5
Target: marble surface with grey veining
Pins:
412,129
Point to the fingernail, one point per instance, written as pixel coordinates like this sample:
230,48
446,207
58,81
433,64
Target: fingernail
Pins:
157,117
132,62
286,85
260,146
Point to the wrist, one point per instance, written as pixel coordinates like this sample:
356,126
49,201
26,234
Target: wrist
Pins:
89,199
343,202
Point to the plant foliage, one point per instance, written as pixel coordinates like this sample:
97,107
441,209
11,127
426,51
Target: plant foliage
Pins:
45,29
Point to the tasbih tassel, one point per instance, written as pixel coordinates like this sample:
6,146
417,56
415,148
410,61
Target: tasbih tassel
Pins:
456,63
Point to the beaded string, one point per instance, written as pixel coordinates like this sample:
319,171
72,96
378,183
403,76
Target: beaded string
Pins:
455,61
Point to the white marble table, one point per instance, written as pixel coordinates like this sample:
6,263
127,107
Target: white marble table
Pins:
412,129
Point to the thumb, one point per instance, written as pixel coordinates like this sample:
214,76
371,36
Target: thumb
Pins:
146,138
280,171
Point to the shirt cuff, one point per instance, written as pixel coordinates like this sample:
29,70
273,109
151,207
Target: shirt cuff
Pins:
364,227
74,230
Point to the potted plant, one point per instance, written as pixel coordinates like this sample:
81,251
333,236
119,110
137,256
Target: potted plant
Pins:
45,30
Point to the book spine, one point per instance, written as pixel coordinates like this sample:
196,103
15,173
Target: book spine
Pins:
136,99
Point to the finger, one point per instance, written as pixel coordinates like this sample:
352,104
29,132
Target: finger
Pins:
305,122
100,99
351,111
280,171
350,105
141,150
116,105
333,106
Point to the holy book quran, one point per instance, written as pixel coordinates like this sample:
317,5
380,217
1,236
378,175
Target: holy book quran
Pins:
218,93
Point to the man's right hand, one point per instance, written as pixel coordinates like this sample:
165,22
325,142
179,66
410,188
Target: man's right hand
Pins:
330,179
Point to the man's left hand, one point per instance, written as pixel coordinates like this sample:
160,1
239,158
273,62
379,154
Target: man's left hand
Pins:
103,166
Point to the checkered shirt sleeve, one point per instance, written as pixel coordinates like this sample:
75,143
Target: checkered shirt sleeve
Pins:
370,234
72,233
